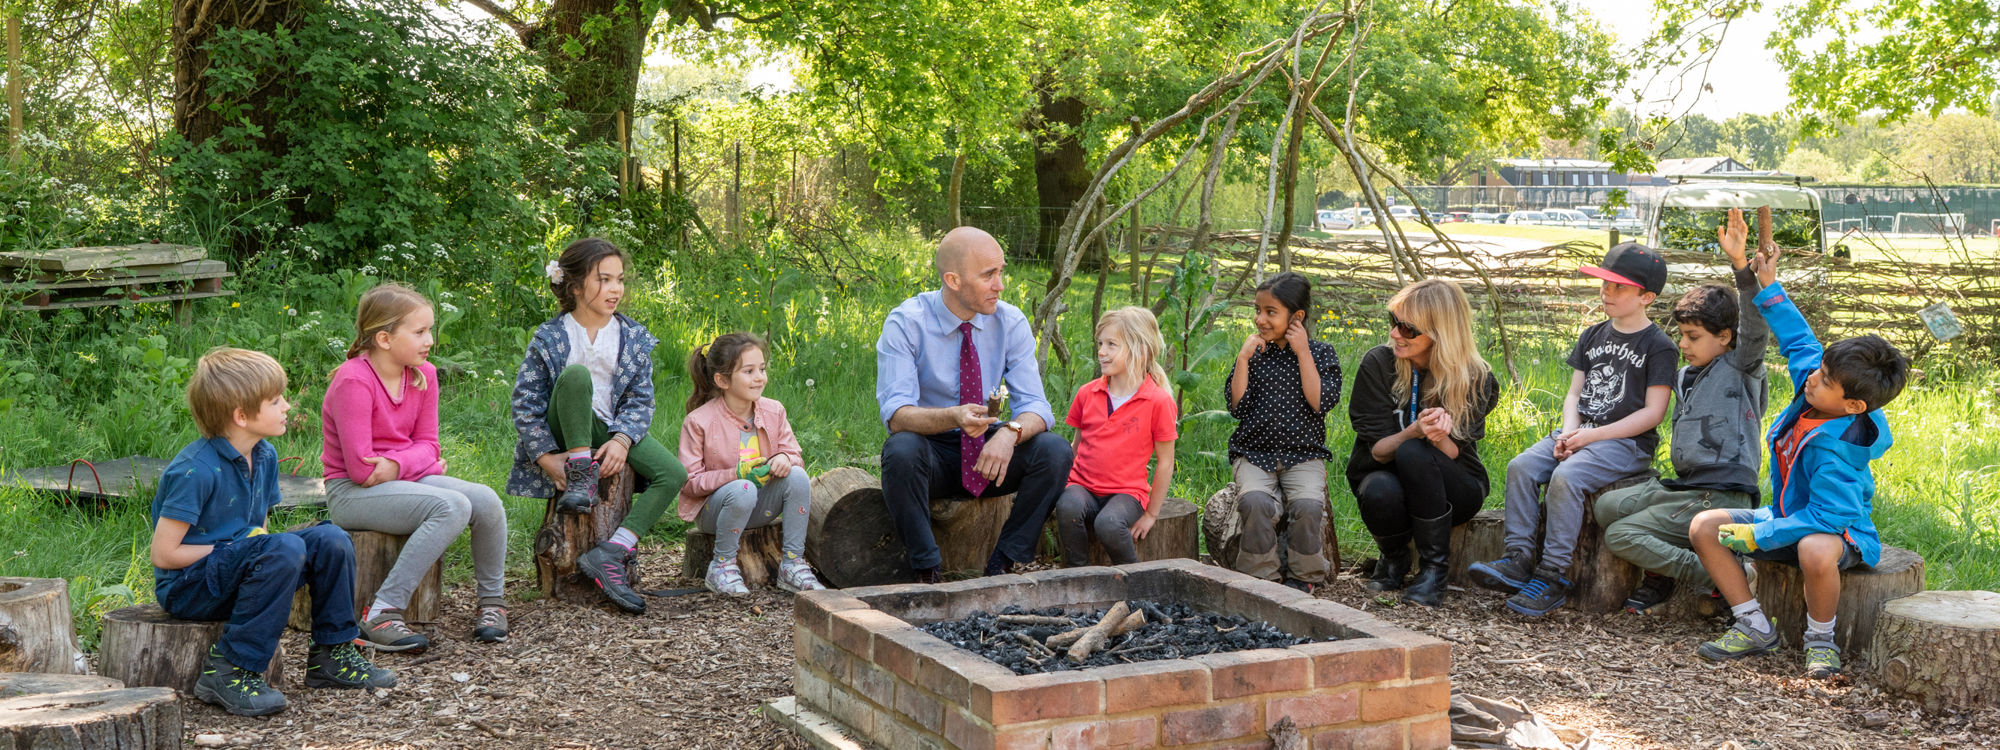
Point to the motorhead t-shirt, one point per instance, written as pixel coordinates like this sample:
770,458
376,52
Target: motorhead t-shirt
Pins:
1617,369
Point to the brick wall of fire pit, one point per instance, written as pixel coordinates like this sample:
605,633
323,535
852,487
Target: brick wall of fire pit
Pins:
862,662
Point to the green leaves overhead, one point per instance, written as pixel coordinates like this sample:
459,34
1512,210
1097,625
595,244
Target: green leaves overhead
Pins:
1898,57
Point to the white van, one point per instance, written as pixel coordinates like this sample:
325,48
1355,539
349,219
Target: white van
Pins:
1689,213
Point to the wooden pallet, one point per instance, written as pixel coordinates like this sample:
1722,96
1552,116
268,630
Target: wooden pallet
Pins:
74,259
175,282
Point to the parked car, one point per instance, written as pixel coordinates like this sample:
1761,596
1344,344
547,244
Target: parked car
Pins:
1458,216
1566,217
1527,217
1344,218
1483,217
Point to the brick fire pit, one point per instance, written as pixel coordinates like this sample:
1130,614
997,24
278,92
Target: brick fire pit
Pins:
864,669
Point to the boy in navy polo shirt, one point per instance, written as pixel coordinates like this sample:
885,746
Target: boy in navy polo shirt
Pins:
213,560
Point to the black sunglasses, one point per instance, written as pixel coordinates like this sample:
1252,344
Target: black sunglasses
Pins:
1408,331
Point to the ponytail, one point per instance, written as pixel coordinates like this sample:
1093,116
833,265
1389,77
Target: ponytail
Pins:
717,357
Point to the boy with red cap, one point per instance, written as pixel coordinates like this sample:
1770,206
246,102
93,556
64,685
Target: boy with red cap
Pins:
1623,376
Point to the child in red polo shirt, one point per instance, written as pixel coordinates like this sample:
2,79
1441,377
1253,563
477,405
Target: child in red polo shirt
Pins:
1120,420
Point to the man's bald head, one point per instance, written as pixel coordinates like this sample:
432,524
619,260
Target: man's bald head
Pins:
960,246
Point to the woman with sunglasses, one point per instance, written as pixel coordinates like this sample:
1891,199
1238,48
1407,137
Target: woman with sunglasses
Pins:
1419,410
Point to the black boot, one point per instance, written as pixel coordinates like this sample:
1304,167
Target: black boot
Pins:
1394,564
1433,537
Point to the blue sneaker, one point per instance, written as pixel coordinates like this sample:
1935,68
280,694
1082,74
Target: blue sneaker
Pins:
1547,591
1508,574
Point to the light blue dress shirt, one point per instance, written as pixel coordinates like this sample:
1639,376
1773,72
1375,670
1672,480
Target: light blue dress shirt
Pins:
916,359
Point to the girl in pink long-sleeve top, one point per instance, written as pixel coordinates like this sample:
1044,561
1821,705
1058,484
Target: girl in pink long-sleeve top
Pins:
743,463
385,470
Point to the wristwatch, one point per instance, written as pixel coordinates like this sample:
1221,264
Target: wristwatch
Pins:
1017,428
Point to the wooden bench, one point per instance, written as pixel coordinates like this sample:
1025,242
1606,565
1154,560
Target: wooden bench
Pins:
1600,580
851,541
375,553
79,277
1780,589
1176,533
563,536
144,647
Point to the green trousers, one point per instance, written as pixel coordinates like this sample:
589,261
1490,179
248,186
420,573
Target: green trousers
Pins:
571,420
1647,525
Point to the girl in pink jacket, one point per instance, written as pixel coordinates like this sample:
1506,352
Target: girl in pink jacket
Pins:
743,462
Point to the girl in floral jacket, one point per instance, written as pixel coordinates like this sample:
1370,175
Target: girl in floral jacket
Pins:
583,405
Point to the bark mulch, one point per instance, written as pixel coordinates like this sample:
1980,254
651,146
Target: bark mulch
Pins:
691,672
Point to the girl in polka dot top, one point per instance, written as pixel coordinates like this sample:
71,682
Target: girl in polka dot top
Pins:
1279,389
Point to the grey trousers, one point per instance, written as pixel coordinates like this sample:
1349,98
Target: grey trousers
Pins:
1079,513
1647,525
1569,483
741,505
431,511
1303,487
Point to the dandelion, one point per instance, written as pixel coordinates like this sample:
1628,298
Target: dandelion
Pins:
810,383
234,305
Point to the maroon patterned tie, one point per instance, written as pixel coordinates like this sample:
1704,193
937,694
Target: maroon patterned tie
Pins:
970,391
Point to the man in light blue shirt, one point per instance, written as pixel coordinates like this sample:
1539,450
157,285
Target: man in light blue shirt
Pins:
941,356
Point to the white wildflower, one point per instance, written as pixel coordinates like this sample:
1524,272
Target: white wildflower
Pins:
370,270
554,272
810,383
448,307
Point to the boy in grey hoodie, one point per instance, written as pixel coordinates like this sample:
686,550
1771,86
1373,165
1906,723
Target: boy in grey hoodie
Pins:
1720,398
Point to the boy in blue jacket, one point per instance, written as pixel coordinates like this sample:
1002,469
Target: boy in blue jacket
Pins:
1822,491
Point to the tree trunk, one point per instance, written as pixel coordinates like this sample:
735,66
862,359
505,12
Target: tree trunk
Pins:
564,536
1176,533
198,112
1940,648
955,193
758,554
77,712
603,79
1780,588
1222,531
374,554
852,542
1062,168
144,646
35,630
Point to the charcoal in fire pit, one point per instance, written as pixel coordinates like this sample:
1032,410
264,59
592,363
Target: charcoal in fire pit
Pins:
1172,631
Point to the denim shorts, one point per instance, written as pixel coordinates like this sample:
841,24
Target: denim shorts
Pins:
1849,556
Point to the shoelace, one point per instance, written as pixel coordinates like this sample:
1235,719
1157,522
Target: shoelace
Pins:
1535,588
246,681
350,660
490,617
614,572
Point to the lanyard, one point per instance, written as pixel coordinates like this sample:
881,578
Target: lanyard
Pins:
1416,376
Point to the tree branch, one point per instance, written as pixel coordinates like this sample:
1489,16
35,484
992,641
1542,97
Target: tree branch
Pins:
521,29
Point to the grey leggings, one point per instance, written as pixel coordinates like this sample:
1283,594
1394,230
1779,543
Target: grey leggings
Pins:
1079,513
431,511
741,505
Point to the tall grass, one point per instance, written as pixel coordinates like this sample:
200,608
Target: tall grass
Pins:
114,396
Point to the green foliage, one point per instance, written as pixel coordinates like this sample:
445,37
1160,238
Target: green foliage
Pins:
1928,57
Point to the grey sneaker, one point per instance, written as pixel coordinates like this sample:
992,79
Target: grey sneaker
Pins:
235,689
1509,574
491,625
1737,642
794,574
725,578
388,633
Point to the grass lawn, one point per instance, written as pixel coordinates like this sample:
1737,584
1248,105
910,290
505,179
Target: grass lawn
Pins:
108,384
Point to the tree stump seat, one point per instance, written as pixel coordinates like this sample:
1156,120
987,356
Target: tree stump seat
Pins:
758,554
1600,580
143,646
1780,590
851,541
375,553
83,712
1176,533
36,634
564,536
1940,648
1222,530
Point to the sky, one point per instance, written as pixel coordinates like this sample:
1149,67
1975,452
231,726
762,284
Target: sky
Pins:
1753,82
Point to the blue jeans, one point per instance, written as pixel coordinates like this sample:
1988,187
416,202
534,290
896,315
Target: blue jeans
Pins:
250,583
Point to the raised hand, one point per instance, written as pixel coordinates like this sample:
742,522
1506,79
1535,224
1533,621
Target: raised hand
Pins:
1731,235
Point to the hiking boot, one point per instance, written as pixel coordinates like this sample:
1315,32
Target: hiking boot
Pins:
725,578
1543,594
342,666
1822,660
604,565
998,565
491,625
1653,590
1737,642
1298,584
235,689
1433,538
389,633
933,574
1509,574
1394,564
795,575
580,486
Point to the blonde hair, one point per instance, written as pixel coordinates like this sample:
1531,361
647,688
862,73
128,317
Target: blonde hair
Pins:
1139,331
228,379
1458,374
380,310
